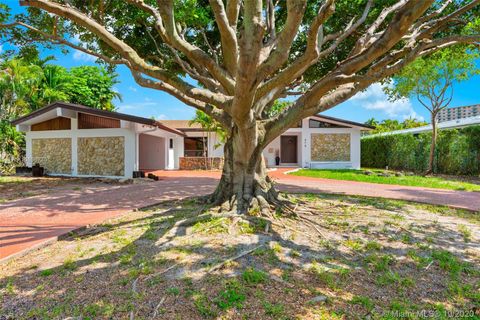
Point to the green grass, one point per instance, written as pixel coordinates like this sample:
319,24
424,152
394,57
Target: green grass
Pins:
12,180
252,276
232,297
416,181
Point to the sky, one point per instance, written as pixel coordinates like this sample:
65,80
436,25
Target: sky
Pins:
145,102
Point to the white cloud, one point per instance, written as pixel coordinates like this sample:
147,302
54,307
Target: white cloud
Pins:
82,56
145,109
132,89
136,106
75,39
375,99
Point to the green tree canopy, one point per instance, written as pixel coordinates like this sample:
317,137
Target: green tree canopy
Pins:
28,82
431,80
392,125
428,79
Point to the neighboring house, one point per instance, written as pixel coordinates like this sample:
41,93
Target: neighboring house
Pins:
452,124
75,140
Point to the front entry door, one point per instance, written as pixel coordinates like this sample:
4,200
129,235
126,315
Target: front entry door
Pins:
288,149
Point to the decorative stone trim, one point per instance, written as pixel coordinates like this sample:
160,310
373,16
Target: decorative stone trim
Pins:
54,154
330,147
101,156
201,163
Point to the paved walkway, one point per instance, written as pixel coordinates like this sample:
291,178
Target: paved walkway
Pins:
29,222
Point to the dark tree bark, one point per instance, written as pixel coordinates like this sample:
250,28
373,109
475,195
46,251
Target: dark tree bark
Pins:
244,183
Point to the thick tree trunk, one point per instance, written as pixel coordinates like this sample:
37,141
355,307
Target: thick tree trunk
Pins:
244,184
432,145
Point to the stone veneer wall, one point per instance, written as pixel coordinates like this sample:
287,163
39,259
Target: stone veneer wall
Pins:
330,147
102,156
54,154
200,163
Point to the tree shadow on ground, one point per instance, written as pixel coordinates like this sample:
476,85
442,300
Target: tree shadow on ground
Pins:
157,264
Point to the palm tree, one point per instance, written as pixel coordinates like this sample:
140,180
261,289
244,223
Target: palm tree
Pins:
209,125
51,88
18,82
372,122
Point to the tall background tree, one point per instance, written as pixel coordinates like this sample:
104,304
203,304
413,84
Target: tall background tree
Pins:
431,80
28,82
243,55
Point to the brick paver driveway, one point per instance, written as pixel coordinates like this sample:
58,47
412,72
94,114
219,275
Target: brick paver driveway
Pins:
30,222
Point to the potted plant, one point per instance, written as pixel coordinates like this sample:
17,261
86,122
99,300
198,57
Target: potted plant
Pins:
37,171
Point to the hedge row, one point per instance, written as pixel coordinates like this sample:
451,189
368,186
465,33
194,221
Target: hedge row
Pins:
457,151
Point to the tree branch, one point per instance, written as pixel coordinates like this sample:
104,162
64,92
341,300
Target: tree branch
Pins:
58,40
127,52
233,9
227,36
283,43
312,53
250,44
148,83
192,52
362,42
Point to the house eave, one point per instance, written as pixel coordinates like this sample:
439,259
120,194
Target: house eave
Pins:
97,112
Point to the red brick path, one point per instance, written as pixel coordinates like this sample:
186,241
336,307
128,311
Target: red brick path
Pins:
458,199
29,222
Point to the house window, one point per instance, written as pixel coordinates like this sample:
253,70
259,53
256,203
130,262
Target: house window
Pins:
321,124
195,147
171,143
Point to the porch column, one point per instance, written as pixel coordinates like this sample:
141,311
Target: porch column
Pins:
170,141
74,137
137,151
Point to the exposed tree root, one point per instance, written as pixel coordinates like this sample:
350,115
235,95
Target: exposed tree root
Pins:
242,254
313,225
155,311
263,203
135,282
280,280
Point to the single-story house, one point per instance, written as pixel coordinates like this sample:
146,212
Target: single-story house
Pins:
75,140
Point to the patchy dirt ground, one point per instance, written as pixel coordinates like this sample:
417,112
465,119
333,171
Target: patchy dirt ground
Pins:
16,187
344,258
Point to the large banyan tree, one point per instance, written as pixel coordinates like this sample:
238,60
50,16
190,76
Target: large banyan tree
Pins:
232,59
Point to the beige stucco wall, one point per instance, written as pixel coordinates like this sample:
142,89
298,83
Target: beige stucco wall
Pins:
102,156
54,154
330,147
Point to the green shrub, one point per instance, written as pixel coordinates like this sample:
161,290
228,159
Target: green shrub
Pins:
457,151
